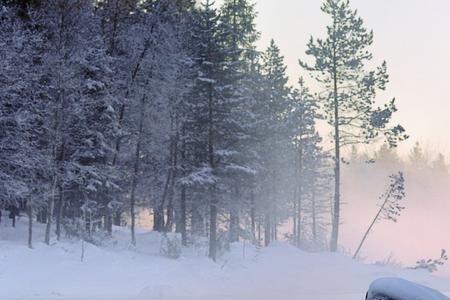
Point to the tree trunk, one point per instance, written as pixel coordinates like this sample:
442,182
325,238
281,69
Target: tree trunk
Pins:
337,166
117,218
294,219
234,225
299,195
30,224
377,216
234,219
267,229
213,230
174,165
13,213
299,222
213,201
88,224
273,204
198,219
109,223
48,227
158,224
158,221
50,208
135,172
41,216
170,215
183,216
313,211
182,211
59,211
252,216
275,224
259,231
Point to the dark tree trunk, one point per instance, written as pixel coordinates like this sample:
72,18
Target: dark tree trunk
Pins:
197,220
337,162
234,226
275,224
158,219
49,214
30,224
117,218
42,216
213,230
108,223
183,216
299,195
299,222
59,211
274,217
181,225
88,224
159,223
267,229
259,231
136,172
173,175
252,216
234,219
170,216
313,211
212,201
294,221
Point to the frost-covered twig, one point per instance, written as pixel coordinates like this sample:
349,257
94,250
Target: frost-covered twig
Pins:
431,265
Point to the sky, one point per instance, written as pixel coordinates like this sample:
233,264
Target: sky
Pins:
413,36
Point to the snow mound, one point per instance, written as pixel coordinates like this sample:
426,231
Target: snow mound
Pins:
401,289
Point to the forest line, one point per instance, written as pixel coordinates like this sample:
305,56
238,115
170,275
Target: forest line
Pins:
112,106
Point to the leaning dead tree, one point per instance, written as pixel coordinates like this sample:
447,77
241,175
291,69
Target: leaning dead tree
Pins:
391,208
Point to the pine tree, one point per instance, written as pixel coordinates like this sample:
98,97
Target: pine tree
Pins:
417,158
439,167
238,30
271,109
24,155
340,66
301,123
211,109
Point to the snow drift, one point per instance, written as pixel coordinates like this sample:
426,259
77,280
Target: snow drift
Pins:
116,271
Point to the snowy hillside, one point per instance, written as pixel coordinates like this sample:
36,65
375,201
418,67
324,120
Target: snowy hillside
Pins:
116,272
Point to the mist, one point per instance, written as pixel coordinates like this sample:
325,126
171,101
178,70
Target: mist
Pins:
420,232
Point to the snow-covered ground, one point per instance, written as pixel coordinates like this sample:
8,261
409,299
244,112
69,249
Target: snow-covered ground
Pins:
115,271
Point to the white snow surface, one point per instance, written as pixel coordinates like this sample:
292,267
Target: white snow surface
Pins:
117,271
397,288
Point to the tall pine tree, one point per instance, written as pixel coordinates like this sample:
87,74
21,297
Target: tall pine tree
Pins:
349,89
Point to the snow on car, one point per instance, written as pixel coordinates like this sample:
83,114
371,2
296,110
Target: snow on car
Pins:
401,289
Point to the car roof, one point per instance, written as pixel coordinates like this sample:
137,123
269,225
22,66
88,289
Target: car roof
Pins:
401,289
